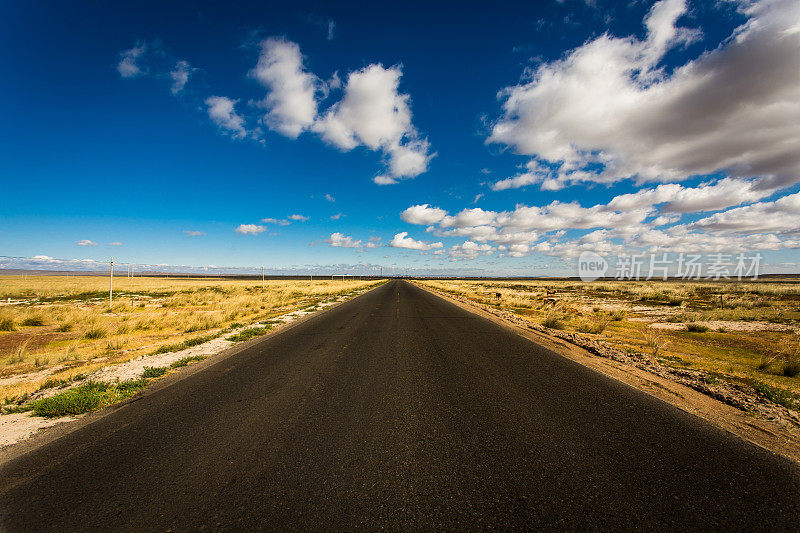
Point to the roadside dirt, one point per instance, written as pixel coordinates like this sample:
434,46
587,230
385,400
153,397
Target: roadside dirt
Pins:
774,428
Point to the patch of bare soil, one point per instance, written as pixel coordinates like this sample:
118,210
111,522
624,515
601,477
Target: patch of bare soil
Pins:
728,325
33,338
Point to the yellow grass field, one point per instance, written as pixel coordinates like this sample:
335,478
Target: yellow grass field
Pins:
59,327
745,331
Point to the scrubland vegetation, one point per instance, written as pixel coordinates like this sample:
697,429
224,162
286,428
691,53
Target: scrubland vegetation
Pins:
739,331
58,329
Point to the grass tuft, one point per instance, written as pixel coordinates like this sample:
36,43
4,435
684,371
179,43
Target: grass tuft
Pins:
553,322
154,371
7,324
248,334
696,328
95,332
186,360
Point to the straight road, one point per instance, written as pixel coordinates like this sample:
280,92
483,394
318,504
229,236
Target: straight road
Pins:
397,410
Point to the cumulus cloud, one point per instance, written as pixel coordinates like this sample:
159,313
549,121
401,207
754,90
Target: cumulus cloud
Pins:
291,101
250,229
298,218
402,240
780,216
340,240
625,224
180,76
86,242
470,250
128,66
609,111
373,113
221,110
423,214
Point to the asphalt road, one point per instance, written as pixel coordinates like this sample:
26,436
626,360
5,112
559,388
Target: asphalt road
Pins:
397,410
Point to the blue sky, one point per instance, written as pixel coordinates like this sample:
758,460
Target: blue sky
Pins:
450,139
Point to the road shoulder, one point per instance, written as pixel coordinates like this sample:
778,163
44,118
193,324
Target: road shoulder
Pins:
766,434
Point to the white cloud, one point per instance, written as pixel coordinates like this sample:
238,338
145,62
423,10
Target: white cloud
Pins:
291,101
470,250
86,242
193,233
331,28
180,76
280,222
609,104
115,243
250,229
330,198
342,241
423,214
222,111
402,240
780,216
384,180
128,66
373,113
299,218
42,258
337,216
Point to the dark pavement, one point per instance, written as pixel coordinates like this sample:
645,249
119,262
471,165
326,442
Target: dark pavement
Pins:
397,410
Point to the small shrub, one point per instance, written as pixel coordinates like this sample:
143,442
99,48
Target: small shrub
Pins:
64,327
7,324
696,328
33,321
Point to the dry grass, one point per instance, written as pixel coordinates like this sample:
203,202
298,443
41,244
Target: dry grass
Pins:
743,330
58,326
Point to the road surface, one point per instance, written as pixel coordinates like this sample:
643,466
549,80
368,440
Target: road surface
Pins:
397,410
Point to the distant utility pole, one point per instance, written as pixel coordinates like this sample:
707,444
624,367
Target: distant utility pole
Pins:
262,278
111,284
